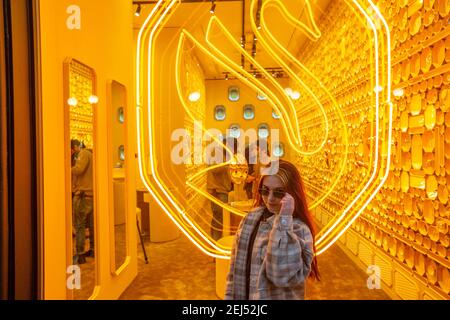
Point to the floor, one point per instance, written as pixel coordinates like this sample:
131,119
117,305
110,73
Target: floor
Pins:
179,271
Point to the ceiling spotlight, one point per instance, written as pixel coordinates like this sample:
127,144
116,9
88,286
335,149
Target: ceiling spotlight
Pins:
138,11
93,99
288,91
213,7
295,95
194,96
72,101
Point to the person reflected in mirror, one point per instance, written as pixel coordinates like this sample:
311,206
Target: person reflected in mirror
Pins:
274,249
251,153
82,201
256,154
219,184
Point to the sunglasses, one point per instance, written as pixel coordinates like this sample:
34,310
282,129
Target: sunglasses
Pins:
279,194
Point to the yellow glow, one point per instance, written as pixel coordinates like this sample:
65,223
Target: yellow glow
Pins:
284,107
295,95
322,247
72,102
93,99
312,33
194,96
399,92
190,182
336,222
268,41
292,130
209,248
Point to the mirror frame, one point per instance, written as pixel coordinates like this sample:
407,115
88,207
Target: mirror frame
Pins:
111,113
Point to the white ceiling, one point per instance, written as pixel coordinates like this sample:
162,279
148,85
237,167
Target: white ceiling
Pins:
195,16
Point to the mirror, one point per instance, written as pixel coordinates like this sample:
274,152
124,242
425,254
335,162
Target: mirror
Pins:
80,103
117,100
235,131
263,130
219,113
249,112
233,93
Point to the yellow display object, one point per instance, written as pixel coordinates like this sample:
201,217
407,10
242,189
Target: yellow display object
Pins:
428,163
443,193
431,187
428,211
404,121
428,141
323,113
426,59
430,117
416,105
438,53
417,179
404,181
444,98
416,152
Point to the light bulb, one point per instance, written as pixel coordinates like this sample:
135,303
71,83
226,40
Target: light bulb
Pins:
194,96
295,95
72,101
93,99
138,11
288,91
378,89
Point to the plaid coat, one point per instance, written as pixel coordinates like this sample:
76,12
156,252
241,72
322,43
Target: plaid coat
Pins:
281,258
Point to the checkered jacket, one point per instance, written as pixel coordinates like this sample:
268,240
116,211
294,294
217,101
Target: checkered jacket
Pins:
281,258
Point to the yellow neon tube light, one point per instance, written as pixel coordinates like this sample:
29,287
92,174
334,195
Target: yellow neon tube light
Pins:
336,222
143,168
146,180
323,248
286,54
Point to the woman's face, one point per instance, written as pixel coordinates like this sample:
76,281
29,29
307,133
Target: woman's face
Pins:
272,191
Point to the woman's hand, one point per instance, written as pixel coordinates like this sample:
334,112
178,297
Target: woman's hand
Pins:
287,205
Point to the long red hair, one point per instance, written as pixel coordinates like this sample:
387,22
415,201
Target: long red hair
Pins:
295,188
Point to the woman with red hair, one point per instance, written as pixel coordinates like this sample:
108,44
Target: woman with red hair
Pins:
273,252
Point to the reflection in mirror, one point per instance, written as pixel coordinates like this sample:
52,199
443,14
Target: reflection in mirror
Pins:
219,113
121,115
79,83
263,130
117,137
122,153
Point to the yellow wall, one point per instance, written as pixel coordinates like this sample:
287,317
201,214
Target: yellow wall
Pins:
404,231
105,43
